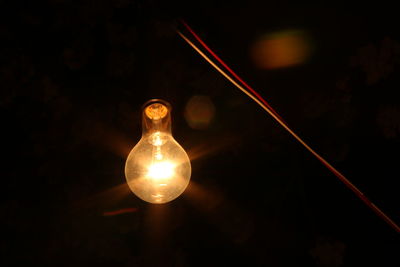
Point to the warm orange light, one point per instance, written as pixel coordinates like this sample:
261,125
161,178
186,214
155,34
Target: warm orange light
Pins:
199,112
161,170
157,169
280,50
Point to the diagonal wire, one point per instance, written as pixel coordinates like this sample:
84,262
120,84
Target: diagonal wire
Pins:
228,68
260,101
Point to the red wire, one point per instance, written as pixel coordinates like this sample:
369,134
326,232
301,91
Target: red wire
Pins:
340,176
229,69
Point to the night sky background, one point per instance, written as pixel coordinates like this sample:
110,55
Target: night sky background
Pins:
73,78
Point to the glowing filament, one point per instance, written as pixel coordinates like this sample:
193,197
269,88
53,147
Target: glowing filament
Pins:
161,170
157,168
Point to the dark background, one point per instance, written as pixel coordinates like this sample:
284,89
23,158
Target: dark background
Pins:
74,75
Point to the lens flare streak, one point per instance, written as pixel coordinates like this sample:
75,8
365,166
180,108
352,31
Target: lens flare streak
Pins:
119,212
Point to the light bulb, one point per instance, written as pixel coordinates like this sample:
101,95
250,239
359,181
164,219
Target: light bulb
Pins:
157,169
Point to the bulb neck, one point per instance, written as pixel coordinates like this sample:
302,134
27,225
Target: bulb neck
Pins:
156,117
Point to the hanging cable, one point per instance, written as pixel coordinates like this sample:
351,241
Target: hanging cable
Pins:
261,102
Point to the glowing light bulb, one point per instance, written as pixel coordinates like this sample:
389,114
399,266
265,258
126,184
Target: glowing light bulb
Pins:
157,169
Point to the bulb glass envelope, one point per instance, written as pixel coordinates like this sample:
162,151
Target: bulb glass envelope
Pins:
157,169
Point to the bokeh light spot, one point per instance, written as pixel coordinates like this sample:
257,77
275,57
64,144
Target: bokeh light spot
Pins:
281,49
199,112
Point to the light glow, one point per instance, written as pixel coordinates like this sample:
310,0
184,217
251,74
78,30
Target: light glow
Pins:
157,169
161,170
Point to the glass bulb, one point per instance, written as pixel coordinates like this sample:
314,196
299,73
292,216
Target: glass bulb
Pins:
157,169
